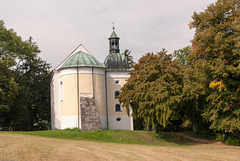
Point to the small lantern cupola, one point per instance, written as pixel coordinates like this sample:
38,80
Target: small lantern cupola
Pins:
114,43
115,61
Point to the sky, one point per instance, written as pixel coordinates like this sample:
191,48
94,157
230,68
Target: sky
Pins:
59,26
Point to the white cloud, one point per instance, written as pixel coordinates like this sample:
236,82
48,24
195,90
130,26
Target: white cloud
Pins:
58,26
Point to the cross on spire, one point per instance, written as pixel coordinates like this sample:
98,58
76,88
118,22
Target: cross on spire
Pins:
113,25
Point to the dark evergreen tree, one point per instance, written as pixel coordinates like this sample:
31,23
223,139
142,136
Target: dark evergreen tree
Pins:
24,83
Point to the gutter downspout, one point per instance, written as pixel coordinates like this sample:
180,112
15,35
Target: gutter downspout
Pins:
106,97
93,82
78,96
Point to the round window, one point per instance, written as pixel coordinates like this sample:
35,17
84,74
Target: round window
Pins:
117,81
118,119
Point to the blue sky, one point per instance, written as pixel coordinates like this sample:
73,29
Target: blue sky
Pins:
59,26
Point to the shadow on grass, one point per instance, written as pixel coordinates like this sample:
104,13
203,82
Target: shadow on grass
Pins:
182,139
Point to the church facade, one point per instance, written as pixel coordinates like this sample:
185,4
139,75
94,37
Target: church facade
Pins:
84,91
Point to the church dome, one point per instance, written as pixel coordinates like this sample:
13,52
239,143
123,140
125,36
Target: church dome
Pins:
116,62
81,59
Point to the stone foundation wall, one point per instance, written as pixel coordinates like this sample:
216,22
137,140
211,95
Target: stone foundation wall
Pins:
90,120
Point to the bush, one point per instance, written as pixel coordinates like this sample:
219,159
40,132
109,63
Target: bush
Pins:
41,125
220,137
231,140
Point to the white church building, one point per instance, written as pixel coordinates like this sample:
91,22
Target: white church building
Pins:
84,91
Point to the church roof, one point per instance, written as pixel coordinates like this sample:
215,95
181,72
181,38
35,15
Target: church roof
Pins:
114,35
81,59
116,62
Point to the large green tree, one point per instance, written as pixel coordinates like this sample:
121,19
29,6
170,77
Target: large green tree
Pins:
215,59
192,96
154,89
8,91
24,83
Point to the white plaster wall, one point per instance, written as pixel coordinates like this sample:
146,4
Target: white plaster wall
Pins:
116,74
126,123
131,118
69,122
82,70
56,107
63,122
103,120
52,106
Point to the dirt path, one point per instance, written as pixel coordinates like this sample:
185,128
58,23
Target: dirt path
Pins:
199,140
23,147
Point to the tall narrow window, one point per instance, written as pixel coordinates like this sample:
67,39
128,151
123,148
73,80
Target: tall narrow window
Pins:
117,93
62,91
118,108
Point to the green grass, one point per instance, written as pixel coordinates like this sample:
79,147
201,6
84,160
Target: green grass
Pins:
176,138
114,136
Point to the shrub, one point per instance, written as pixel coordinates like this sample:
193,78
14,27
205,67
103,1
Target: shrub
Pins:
220,137
231,140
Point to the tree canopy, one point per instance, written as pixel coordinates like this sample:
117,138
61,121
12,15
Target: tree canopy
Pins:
201,86
154,89
216,56
181,55
24,83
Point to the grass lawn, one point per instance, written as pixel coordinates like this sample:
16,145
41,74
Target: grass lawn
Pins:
110,145
113,136
118,136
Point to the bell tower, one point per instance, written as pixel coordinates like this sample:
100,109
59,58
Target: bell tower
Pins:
113,43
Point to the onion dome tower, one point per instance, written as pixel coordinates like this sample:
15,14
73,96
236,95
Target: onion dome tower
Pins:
115,61
116,76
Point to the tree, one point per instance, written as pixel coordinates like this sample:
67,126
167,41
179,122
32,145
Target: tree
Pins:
216,56
181,55
194,99
40,94
154,89
24,83
129,57
9,46
8,91
192,96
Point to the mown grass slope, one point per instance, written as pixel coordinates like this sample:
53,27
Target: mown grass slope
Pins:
117,136
71,145
114,136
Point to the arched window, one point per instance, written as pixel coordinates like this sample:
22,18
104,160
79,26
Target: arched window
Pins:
116,93
118,108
